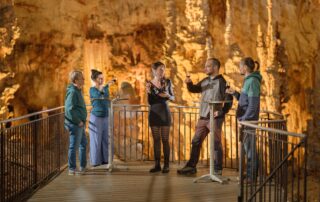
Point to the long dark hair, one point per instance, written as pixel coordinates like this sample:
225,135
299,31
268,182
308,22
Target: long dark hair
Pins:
154,67
250,63
95,74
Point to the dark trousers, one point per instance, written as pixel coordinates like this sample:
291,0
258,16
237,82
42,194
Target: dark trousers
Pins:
202,130
161,132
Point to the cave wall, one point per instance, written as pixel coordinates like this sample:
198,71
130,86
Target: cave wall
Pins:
45,41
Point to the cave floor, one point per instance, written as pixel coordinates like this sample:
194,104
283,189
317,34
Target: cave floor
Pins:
133,182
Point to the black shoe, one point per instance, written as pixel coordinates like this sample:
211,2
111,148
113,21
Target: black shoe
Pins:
217,172
155,169
187,170
165,169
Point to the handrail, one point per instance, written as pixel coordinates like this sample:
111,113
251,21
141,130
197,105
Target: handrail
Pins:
276,169
145,105
267,160
30,115
267,121
245,123
274,113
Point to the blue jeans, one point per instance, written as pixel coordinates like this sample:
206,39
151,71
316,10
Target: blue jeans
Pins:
77,140
249,144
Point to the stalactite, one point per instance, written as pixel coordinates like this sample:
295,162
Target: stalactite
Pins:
209,47
196,12
171,28
9,33
267,53
227,34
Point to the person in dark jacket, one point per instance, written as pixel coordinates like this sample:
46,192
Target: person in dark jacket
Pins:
212,88
160,91
249,109
75,119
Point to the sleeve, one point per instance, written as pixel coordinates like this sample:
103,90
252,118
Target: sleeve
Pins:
227,97
71,108
106,91
94,93
228,105
253,101
194,88
236,94
170,91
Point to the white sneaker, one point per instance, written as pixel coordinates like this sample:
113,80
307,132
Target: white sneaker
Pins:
71,172
81,171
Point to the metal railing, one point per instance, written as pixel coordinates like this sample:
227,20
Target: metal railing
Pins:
32,150
272,162
133,138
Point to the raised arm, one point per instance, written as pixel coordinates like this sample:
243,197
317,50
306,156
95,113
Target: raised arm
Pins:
194,88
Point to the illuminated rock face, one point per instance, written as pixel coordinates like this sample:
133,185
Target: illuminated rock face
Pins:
122,38
9,32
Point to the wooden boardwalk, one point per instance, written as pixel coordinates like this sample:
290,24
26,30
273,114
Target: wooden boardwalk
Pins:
136,184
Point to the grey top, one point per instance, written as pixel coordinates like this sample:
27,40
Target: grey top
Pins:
212,89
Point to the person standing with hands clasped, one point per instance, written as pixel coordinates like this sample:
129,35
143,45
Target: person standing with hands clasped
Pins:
160,91
75,119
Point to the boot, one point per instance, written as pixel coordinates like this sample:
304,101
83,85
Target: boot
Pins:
187,170
156,168
166,166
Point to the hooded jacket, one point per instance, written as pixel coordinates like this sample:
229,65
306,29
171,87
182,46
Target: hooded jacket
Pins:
249,98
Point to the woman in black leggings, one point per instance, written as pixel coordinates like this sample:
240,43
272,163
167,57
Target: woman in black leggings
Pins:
159,92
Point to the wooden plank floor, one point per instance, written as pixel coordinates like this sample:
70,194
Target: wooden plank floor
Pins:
136,184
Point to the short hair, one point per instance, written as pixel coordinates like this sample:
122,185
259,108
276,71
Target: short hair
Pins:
156,65
75,75
215,62
95,74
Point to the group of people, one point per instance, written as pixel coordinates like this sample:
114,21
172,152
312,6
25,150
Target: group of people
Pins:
76,116
160,91
212,88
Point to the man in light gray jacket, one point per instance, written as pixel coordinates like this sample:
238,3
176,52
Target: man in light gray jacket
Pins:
212,88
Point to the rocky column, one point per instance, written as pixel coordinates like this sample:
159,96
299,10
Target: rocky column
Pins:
9,32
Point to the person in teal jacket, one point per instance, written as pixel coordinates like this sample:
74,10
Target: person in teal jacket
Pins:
75,119
98,124
249,109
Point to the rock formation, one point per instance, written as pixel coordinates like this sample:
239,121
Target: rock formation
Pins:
122,39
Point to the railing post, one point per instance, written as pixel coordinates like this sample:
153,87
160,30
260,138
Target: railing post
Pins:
240,194
125,133
305,168
237,141
58,141
2,167
111,135
35,143
179,121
